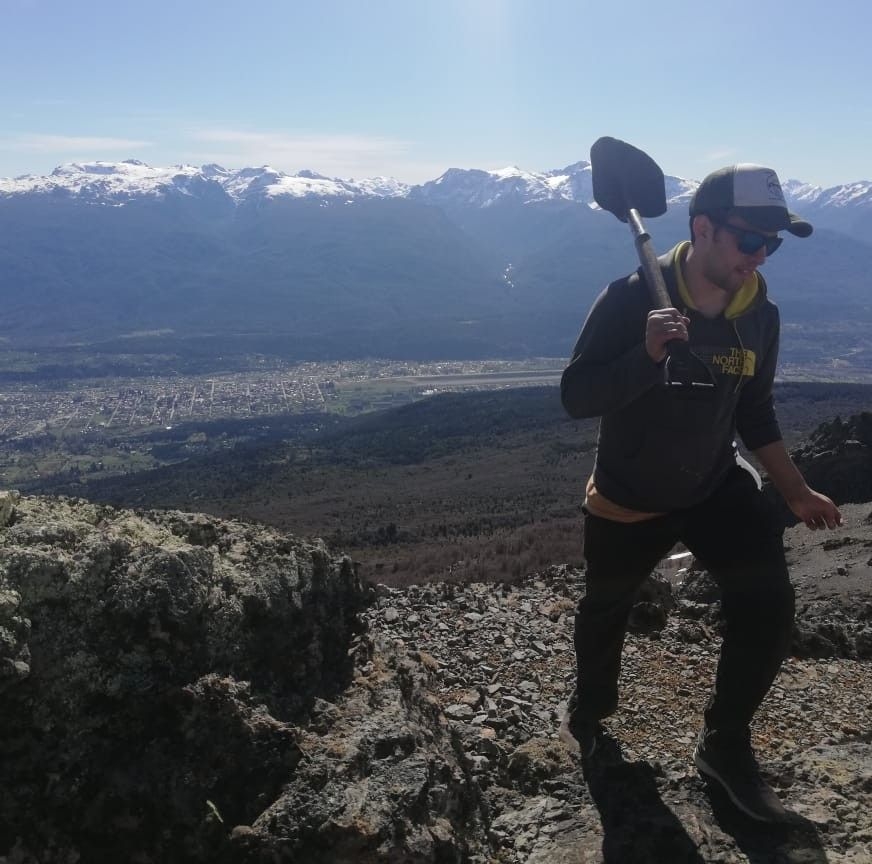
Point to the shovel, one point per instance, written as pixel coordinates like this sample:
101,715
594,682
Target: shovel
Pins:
629,184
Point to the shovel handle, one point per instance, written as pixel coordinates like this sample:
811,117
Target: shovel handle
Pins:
649,262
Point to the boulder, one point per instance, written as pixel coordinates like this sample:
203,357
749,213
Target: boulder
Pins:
152,667
653,602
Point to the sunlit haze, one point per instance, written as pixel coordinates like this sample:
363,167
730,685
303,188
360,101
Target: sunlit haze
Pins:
410,88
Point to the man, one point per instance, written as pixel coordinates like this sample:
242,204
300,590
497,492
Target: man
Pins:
666,468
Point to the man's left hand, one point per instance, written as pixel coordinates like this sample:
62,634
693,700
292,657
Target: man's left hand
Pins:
816,510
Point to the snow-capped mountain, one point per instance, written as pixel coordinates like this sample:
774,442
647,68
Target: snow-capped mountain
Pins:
857,194
119,182
459,187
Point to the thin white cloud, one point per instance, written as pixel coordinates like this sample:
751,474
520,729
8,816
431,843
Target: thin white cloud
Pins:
334,155
716,158
329,154
68,143
720,156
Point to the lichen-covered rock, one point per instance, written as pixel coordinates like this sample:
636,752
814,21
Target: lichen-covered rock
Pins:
150,668
383,779
536,760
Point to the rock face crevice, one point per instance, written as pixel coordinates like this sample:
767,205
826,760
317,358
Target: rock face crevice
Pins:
384,777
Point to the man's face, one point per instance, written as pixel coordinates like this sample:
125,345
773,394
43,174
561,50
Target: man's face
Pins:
724,264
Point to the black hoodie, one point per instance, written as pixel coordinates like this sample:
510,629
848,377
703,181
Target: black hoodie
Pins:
658,448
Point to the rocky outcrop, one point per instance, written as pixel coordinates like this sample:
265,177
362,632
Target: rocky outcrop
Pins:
177,688
150,668
836,460
826,625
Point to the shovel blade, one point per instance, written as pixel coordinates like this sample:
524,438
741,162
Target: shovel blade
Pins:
626,178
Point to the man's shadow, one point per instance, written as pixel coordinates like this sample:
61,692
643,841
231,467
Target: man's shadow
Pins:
638,827
795,841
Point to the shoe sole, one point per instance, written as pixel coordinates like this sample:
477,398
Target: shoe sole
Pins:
710,774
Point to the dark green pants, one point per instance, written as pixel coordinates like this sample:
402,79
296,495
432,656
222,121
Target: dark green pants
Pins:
737,537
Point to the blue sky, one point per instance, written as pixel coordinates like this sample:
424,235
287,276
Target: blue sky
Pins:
409,88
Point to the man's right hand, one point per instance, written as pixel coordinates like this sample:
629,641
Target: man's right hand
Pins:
664,325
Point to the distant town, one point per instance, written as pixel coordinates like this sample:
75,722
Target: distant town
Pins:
271,388
349,387
59,432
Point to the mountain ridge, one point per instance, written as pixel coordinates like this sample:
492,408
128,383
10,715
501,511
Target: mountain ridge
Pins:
473,264
109,182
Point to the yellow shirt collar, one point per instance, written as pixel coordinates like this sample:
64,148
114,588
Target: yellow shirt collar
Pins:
742,299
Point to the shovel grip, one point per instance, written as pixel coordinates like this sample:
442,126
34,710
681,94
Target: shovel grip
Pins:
684,370
648,259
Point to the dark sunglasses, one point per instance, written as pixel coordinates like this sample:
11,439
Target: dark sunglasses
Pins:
751,242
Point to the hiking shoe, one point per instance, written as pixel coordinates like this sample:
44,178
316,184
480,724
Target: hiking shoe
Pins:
730,762
579,733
